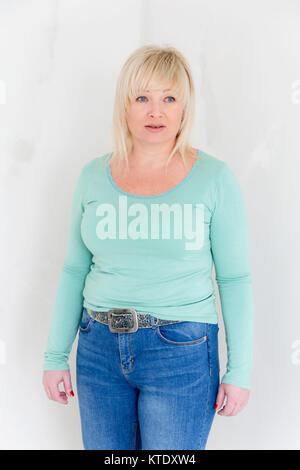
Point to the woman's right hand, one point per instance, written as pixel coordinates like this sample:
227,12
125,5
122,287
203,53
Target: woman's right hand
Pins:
51,380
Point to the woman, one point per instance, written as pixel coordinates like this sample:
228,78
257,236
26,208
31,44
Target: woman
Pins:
147,223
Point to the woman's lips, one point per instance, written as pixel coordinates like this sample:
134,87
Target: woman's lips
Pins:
155,129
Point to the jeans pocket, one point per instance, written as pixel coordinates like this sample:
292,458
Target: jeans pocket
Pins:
184,333
86,321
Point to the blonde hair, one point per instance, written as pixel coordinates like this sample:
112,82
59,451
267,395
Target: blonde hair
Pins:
147,63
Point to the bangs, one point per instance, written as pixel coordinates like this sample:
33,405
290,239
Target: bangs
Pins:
159,71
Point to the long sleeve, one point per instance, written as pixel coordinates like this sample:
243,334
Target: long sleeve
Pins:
68,302
229,247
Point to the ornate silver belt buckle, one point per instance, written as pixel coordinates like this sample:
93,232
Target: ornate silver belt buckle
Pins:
117,311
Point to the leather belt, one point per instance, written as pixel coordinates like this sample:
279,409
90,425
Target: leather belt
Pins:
127,320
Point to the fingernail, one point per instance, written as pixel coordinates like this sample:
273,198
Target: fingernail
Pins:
72,393
216,406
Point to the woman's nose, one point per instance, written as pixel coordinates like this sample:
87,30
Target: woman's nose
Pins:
155,111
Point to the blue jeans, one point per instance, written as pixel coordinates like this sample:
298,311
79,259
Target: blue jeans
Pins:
151,389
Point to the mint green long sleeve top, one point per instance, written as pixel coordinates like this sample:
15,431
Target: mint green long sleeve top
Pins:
156,254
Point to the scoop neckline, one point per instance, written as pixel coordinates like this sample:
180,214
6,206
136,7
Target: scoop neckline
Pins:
109,175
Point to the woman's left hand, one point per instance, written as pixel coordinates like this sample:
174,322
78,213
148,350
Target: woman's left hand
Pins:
237,399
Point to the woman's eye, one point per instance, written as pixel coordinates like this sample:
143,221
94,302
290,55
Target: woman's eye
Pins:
145,97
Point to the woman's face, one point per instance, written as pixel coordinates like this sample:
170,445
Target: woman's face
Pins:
156,106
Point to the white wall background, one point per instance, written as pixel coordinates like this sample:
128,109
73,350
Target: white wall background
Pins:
59,62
